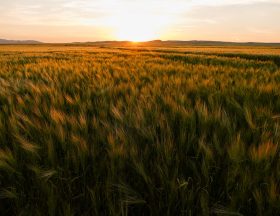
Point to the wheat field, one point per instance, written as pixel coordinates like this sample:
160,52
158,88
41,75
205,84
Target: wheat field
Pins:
138,130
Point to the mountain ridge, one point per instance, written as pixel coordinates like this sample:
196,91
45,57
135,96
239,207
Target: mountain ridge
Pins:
5,41
152,42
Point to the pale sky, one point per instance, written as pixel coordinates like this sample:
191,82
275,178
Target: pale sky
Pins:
93,20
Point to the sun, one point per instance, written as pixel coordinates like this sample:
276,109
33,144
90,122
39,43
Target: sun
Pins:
136,26
139,21
136,33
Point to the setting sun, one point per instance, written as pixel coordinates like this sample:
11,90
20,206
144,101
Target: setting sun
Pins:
134,32
137,26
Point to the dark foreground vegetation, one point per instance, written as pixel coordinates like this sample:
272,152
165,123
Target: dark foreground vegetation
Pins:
150,131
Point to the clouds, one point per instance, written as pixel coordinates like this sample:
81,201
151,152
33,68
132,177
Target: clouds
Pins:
184,19
238,22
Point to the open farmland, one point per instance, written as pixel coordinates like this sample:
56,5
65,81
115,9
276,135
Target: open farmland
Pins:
137,130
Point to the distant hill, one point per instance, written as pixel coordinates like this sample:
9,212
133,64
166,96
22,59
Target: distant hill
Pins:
4,41
173,43
152,43
221,43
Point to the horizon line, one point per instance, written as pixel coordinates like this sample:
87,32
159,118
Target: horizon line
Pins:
10,41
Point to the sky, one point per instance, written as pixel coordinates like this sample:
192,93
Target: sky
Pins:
140,20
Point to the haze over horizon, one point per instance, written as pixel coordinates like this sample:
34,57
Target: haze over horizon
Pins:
85,20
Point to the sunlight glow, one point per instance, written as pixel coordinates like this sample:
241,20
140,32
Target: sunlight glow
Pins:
135,32
138,26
